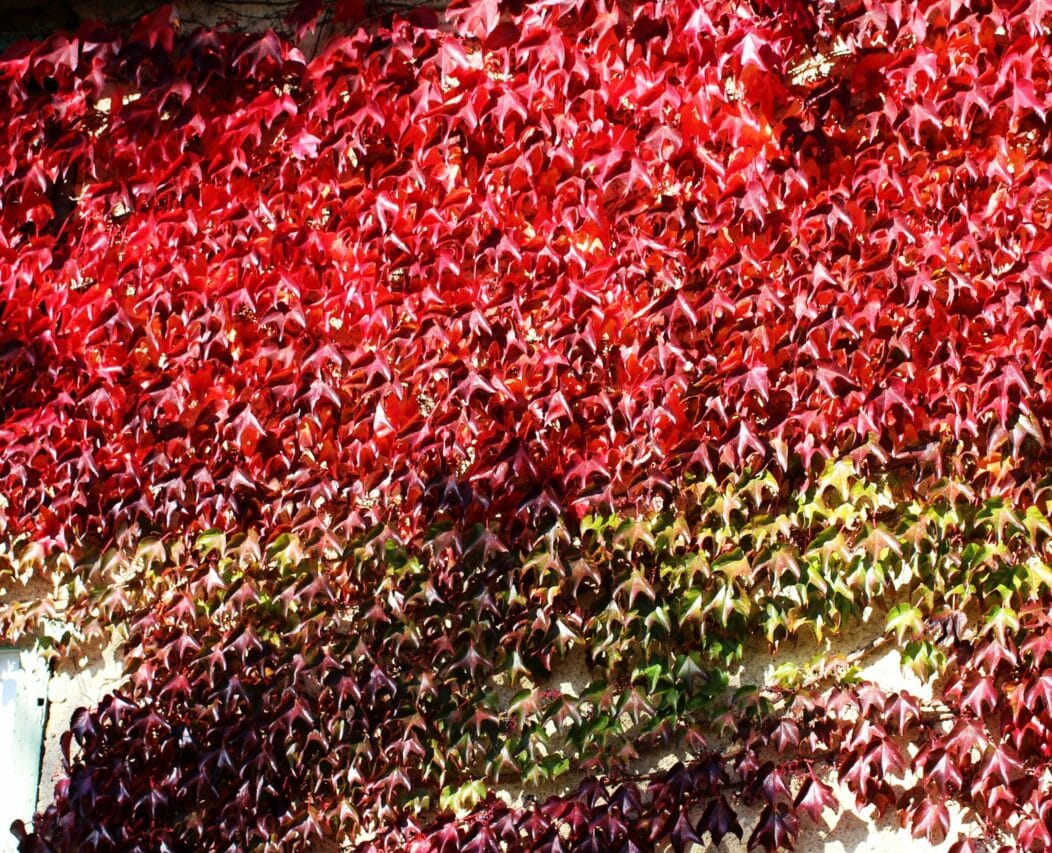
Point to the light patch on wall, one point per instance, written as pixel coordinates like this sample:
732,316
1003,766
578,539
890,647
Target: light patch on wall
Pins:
23,692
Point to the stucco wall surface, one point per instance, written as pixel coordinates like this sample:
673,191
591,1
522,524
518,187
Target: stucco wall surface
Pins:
83,682
851,828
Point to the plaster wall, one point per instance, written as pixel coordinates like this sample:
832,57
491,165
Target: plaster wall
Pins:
84,682
851,828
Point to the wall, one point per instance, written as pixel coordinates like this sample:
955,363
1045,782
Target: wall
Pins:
86,680
853,828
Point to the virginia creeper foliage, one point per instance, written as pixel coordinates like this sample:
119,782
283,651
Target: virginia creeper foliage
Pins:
356,393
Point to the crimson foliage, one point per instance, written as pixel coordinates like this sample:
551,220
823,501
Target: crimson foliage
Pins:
360,391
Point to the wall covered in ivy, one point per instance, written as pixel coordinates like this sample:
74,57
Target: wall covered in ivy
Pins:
443,416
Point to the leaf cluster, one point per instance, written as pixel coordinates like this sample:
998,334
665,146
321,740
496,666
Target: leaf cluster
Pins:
360,394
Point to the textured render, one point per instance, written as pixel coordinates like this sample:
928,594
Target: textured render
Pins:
74,684
84,683
852,829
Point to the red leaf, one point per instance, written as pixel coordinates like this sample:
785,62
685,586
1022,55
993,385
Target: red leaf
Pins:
777,827
683,834
813,798
930,820
902,711
719,820
1002,764
478,17
941,769
786,735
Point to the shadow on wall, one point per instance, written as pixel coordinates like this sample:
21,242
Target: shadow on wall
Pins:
38,698
852,829
73,684
84,681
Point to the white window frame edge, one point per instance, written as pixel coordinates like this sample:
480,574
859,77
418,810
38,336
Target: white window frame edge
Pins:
20,779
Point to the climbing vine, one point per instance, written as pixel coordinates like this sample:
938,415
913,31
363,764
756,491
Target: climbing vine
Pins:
357,394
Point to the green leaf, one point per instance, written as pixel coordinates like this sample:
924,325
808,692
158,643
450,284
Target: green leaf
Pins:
462,800
211,540
553,766
1038,572
1001,621
838,475
733,565
923,658
1035,521
689,670
654,674
904,619
787,675
658,615
151,551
